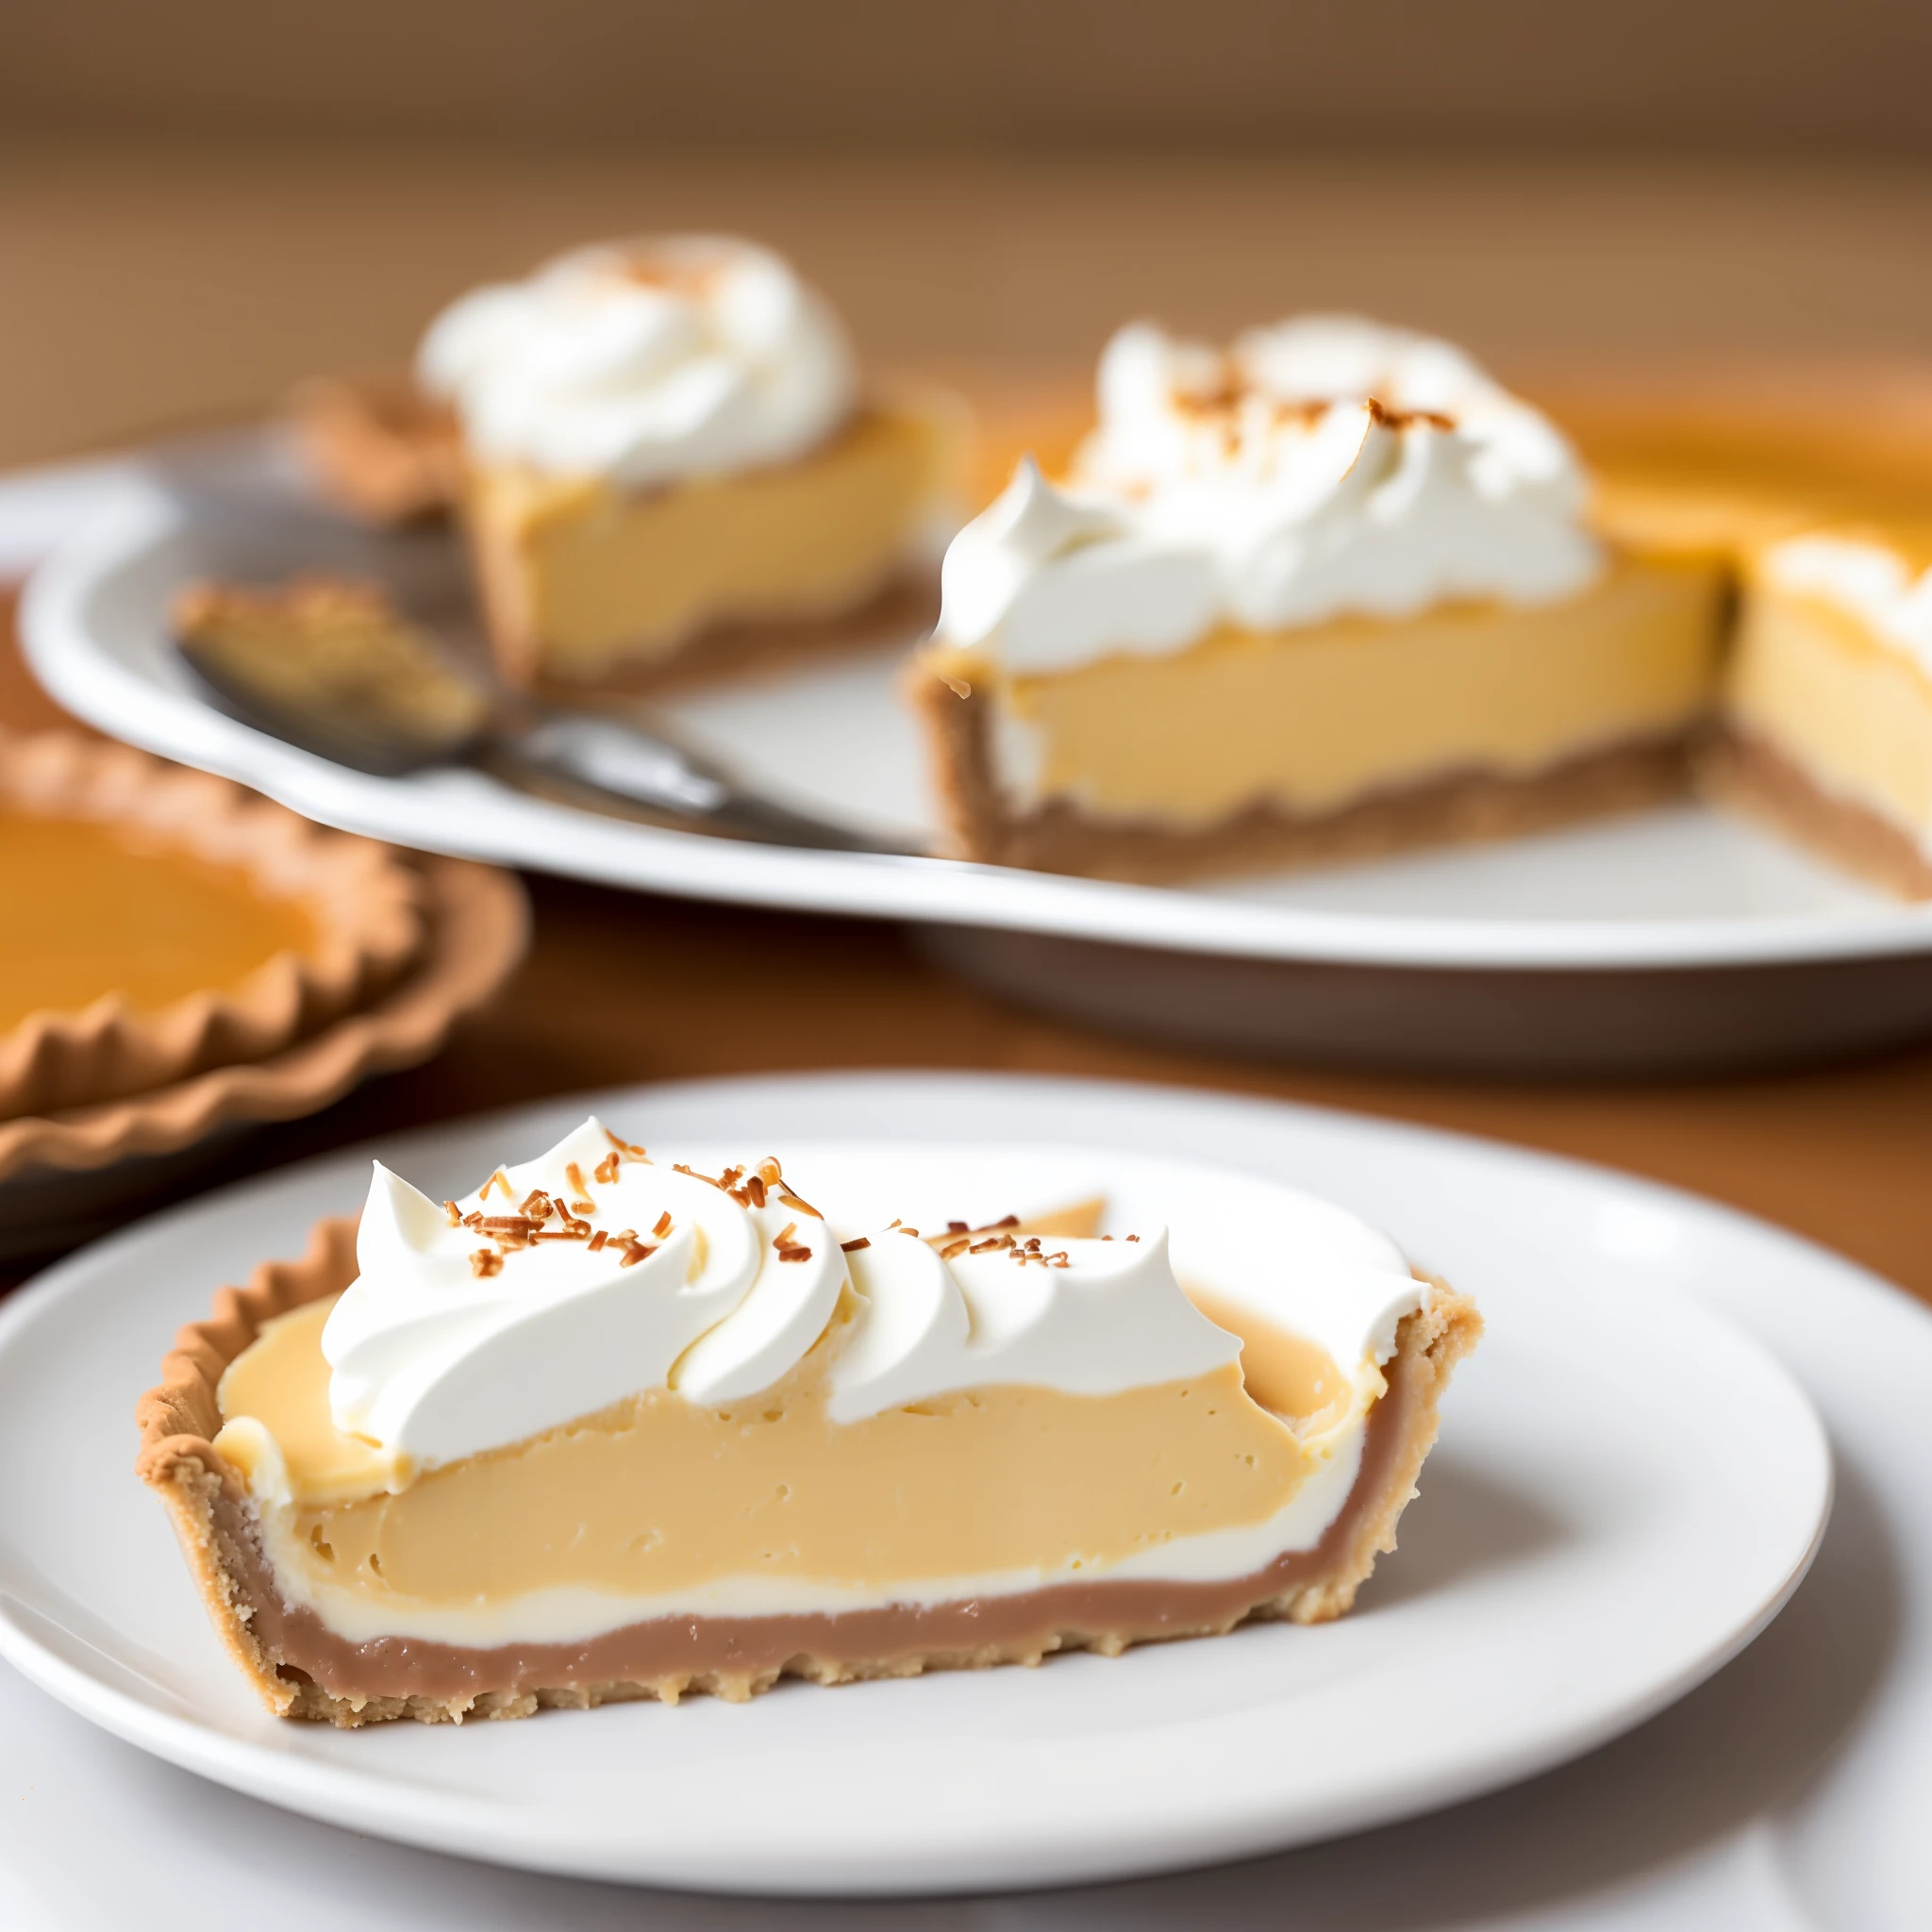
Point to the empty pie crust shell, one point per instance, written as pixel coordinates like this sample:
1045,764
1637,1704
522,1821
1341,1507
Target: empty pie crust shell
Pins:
366,905
477,923
213,1516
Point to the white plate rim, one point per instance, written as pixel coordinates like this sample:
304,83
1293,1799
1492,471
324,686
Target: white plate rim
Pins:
495,825
480,1828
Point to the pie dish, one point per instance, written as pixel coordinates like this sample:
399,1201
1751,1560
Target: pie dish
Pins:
671,471
782,1446
180,923
67,1177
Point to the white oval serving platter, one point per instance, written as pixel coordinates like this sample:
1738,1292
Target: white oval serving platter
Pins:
1672,939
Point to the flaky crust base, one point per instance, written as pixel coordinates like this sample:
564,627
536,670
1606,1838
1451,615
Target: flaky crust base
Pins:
1459,808
1754,777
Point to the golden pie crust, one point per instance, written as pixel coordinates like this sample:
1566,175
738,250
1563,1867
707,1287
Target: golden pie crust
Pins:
364,903
209,1503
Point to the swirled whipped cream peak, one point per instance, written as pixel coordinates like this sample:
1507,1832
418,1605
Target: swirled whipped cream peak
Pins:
1322,468
644,362
593,1274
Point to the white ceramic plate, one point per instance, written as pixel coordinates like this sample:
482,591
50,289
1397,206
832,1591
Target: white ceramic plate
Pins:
1627,1488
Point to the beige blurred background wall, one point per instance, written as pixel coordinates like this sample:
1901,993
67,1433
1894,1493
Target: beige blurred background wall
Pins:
1838,73
202,200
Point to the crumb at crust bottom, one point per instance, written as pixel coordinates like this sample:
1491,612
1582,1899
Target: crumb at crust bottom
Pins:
301,1670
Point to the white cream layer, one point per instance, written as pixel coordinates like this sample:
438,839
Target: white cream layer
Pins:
1324,467
644,362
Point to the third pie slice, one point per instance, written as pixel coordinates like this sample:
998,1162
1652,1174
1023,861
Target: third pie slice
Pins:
612,1427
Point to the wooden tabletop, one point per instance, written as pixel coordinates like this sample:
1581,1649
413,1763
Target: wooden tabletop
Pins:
630,987
146,288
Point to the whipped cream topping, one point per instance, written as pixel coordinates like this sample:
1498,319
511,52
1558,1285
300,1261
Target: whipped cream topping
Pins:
593,1274
1084,1317
1868,580
1325,467
644,362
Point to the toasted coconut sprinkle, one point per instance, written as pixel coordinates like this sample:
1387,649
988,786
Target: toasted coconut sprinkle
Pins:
804,1206
629,1148
794,1253
853,1247
769,1170
536,1204
598,1240
754,1191
783,1237
498,1178
912,1231
606,1170
662,1225
1133,1237
485,1261
963,1246
981,1248
959,1227
574,1175
634,1252
454,1213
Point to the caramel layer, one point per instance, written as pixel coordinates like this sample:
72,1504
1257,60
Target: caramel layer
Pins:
666,1653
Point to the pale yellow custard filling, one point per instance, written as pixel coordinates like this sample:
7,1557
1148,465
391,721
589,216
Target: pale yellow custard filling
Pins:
657,1498
581,572
1314,717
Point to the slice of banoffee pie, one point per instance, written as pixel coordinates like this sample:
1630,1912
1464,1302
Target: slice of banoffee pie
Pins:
614,1428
